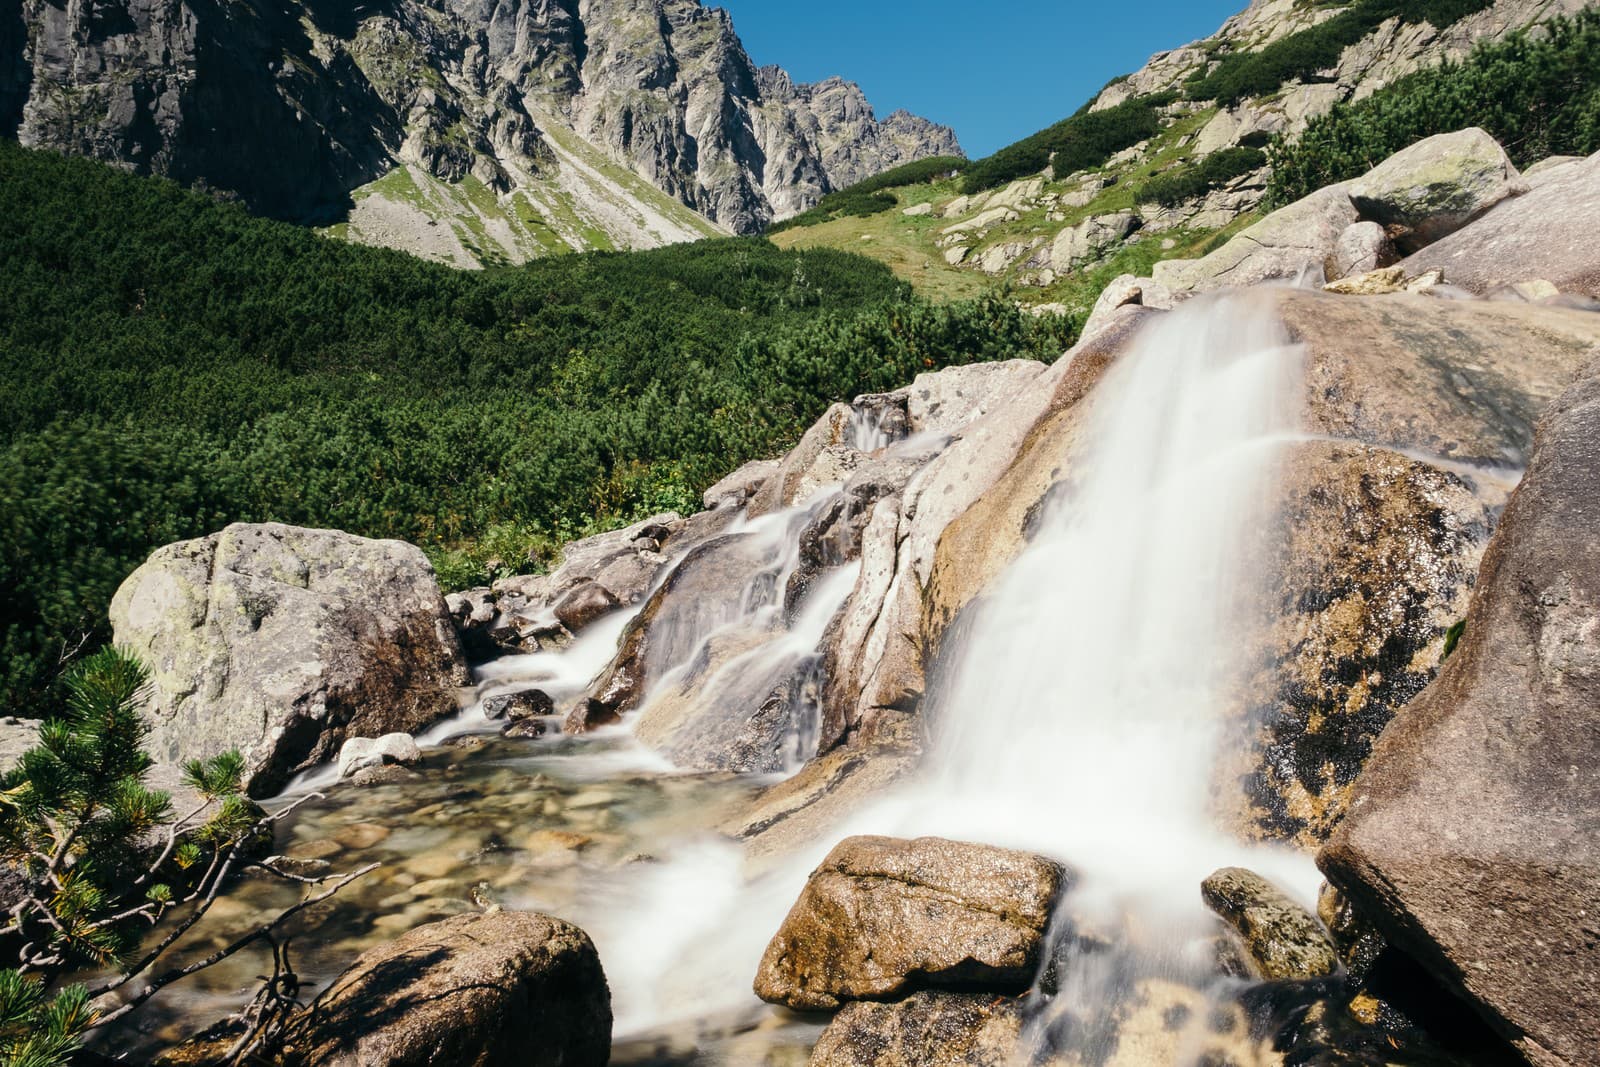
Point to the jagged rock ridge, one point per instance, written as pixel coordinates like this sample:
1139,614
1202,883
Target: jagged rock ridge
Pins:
294,105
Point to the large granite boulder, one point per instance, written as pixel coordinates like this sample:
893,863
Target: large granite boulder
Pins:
883,917
1436,186
929,1029
283,642
1550,233
1473,836
506,989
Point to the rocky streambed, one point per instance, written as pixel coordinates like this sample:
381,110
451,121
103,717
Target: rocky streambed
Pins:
1009,710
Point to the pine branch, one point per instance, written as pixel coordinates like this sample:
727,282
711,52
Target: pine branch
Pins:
265,930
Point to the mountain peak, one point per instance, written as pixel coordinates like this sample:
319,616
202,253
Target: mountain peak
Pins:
520,126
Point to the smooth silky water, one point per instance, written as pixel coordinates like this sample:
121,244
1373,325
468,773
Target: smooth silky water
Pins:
1080,715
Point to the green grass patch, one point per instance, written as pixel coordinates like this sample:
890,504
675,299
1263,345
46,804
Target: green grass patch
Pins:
870,197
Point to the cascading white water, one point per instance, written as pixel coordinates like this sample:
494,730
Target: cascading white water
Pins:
1087,700
1082,714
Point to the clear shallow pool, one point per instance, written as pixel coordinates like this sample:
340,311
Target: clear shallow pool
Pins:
592,830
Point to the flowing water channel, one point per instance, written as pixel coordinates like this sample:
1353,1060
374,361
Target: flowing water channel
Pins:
1081,717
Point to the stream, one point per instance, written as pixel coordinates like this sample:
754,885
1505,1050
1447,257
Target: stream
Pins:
1082,719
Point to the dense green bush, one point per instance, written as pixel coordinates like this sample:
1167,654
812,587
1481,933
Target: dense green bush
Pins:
868,197
173,364
1537,97
1186,183
1084,141
1245,74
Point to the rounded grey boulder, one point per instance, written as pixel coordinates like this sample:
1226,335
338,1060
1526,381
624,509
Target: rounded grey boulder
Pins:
284,642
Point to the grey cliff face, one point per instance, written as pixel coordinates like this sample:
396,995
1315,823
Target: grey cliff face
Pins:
292,104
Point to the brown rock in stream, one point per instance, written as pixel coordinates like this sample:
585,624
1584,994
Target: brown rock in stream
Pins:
883,917
1282,938
931,1029
505,989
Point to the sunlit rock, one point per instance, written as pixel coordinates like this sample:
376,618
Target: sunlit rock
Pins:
882,917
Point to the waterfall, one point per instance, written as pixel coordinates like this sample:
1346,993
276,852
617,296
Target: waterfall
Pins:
1087,697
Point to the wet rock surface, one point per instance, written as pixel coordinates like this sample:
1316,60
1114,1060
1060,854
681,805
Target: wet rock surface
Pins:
882,917
1283,940
494,990
1471,835
928,1029
283,642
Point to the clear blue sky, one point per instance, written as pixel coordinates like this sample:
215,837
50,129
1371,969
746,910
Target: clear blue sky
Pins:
995,71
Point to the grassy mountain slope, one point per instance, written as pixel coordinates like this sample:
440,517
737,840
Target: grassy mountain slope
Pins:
174,364
583,201
1170,160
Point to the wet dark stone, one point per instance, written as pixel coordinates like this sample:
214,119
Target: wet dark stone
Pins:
529,704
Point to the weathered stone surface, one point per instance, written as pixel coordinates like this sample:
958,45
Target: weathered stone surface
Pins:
1090,239
1298,242
1550,232
823,457
1436,186
1283,939
945,401
528,704
16,737
882,917
505,989
930,1029
805,808
1362,247
1473,838
1126,291
283,642
1541,171
741,485
1379,282
584,605
364,753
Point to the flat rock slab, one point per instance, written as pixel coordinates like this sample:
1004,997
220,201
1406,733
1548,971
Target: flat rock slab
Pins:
883,917
1473,835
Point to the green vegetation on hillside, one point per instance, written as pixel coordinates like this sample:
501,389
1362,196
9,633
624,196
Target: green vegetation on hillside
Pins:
869,197
1084,141
174,364
1213,171
1537,96
1245,74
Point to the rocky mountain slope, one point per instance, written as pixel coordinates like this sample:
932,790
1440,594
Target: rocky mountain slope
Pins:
465,130
1044,230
